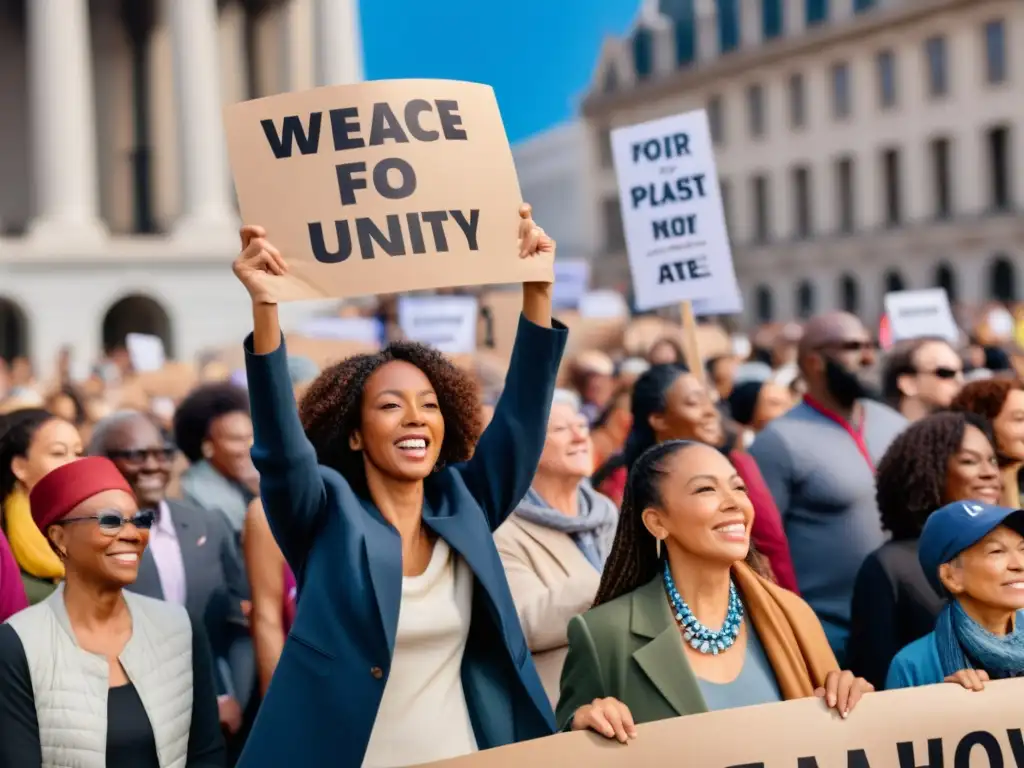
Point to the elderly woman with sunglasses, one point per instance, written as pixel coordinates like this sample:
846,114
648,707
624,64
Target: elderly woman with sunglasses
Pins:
96,676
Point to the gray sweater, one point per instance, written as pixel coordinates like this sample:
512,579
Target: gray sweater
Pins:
825,491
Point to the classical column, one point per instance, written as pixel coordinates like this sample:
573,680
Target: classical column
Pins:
708,43
207,210
63,120
337,42
751,24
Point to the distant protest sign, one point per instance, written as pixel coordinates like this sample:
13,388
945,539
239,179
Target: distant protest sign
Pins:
672,212
572,281
913,314
381,187
447,323
941,726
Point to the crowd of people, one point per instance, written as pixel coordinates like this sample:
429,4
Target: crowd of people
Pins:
392,549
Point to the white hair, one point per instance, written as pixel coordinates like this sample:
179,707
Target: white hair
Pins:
567,397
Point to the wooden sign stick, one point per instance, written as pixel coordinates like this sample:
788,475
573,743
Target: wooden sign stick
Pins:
691,345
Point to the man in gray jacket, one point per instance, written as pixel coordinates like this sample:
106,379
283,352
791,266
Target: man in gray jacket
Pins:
819,463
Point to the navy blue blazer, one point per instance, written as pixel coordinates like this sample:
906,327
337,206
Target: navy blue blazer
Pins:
325,693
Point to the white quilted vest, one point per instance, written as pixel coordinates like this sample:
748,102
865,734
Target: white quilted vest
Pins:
70,685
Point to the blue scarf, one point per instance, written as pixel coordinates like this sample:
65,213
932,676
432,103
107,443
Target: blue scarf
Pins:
965,644
592,529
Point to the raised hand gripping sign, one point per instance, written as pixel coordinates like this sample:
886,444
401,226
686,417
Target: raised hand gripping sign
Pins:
381,187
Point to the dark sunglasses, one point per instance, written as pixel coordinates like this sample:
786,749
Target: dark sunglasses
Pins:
140,455
942,373
111,522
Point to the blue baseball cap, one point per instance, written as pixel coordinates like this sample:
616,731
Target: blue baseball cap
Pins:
950,530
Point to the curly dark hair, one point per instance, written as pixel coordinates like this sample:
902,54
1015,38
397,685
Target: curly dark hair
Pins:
197,412
633,560
985,398
331,409
910,482
16,432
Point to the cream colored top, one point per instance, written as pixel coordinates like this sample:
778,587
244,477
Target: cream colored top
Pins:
423,715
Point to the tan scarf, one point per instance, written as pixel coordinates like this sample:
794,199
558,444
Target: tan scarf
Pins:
791,634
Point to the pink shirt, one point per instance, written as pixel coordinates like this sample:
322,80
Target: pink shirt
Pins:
163,543
12,591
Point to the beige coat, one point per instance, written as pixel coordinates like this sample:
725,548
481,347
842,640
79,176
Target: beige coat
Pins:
551,582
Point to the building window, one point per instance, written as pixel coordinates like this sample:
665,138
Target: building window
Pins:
803,223
894,281
887,79
816,12
715,120
999,160
892,192
845,195
942,183
604,148
686,40
755,107
938,77
728,25
804,299
995,51
859,6
849,294
762,209
945,278
1002,280
614,234
797,101
773,20
725,189
763,301
841,90
643,53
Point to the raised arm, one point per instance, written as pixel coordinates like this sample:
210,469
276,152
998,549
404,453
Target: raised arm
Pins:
265,565
502,468
290,482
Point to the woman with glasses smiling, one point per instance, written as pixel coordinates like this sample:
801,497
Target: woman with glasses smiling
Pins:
95,675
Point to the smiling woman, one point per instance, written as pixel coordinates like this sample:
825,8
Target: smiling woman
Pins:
102,650
385,513
682,624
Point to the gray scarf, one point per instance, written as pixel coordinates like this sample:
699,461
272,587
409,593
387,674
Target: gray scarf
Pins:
592,529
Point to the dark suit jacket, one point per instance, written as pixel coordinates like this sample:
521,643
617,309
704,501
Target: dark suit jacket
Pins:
215,580
325,694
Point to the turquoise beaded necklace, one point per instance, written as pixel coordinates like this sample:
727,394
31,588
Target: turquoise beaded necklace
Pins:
700,638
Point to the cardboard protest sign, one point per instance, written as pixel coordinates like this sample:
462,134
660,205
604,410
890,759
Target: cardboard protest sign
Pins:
913,314
672,211
447,323
941,726
381,187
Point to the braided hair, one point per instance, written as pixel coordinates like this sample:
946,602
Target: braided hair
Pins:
16,432
331,409
649,398
633,560
910,482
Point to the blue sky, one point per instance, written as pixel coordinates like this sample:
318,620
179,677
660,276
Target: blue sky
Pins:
537,54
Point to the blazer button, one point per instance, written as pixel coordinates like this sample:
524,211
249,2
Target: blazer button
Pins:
377,672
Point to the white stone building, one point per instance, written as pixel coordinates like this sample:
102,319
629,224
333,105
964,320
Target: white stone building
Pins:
863,145
553,173
117,211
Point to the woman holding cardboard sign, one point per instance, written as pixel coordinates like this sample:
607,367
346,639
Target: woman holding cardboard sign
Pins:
683,623
406,646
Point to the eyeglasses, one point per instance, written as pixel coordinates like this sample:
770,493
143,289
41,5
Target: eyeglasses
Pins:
140,455
111,522
943,373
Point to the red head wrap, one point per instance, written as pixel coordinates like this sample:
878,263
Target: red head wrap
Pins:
66,487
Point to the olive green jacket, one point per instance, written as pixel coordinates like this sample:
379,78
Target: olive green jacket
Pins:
36,589
645,668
